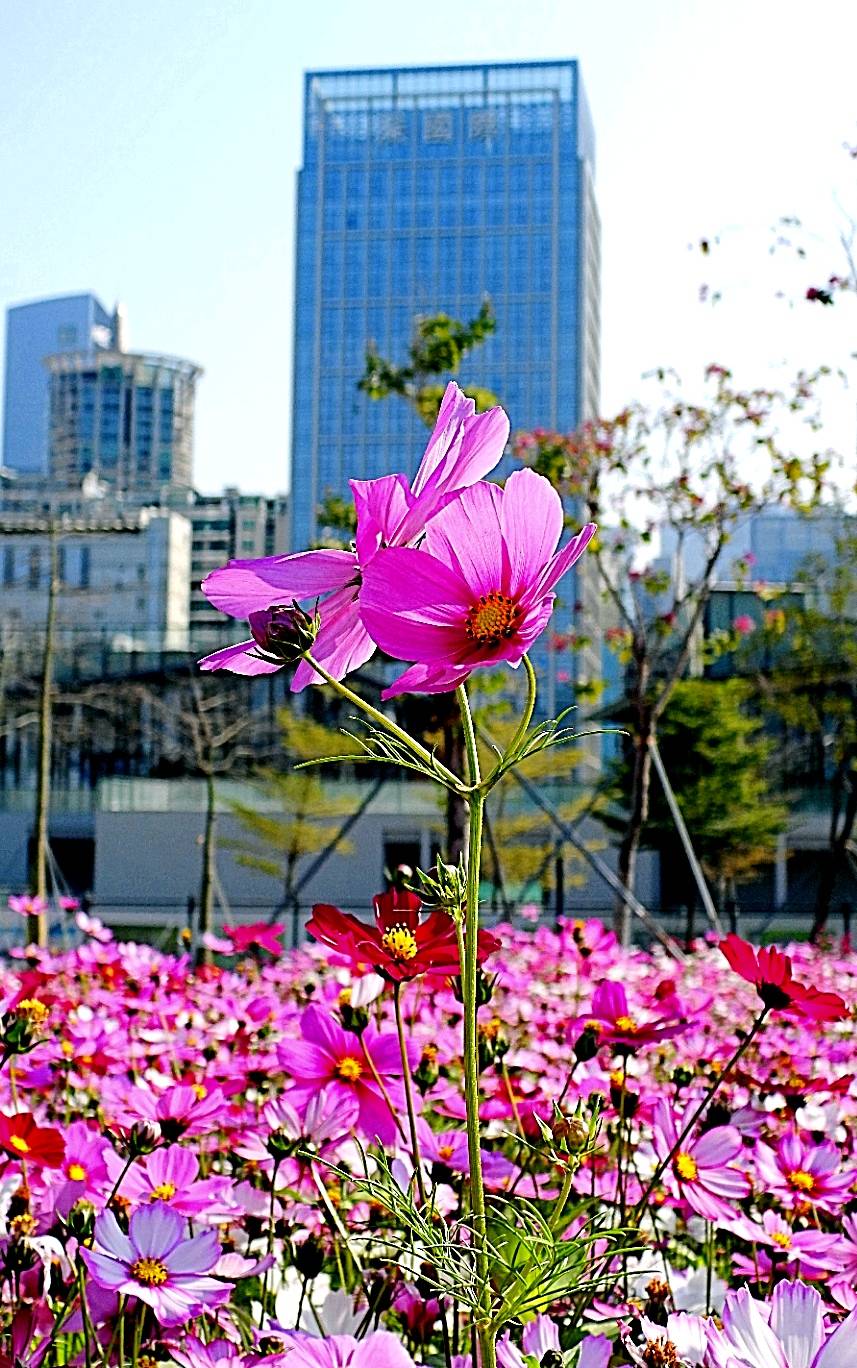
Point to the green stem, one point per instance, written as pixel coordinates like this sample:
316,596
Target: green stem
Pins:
409,1093
697,1112
523,726
469,980
387,724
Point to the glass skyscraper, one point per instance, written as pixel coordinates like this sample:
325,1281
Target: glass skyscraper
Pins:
33,331
127,417
422,191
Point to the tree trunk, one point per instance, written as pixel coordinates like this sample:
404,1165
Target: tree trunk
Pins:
206,882
37,928
840,839
637,818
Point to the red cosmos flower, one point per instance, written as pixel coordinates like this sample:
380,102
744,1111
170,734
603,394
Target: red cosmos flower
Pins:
21,1137
401,945
770,972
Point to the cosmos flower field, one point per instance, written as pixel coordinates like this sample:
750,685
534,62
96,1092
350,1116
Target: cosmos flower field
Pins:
214,1165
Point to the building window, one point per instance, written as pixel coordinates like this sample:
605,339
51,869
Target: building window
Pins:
84,567
8,565
34,568
437,127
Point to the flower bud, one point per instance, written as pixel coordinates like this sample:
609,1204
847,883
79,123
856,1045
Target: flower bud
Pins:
309,1257
586,1045
283,634
141,1139
80,1221
427,1072
280,1145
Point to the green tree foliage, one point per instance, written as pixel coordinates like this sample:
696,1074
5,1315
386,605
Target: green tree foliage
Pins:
439,345
678,466
310,812
717,759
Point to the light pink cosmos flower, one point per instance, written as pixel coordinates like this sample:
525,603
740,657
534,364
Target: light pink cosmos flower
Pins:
379,1350
682,1340
27,905
155,1263
701,1172
808,1254
463,448
480,589
799,1171
786,1333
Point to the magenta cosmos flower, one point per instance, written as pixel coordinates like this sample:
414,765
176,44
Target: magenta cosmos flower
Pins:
155,1263
349,1066
463,448
799,1172
701,1172
479,591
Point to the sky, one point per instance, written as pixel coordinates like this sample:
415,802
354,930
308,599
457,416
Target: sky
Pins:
148,153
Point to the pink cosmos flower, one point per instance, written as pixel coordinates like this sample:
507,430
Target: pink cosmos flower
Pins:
808,1254
462,449
171,1176
701,1172
787,1333
27,905
481,590
330,1057
379,1350
155,1263
801,1172
770,972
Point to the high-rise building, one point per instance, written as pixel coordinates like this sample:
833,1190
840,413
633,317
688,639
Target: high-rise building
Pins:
127,417
33,331
425,190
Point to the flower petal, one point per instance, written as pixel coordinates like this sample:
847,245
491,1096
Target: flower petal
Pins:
797,1322
342,644
531,523
243,586
155,1230
467,536
243,658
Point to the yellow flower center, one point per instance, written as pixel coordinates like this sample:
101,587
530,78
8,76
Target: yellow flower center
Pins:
685,1167
149,1272
626,1024
803,1181
76,1172
660,1353
67,1049
349,1069
445,1151
782,1238
201,1090
400,943
493,619
23,1225
19,1143
163,1192
32,1010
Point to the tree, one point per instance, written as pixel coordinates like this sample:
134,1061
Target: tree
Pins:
437,349
717,758
310,813
803,659
678,469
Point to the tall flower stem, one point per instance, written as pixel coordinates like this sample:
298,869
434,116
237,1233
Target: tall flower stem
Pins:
409,1092
469,980
700,1108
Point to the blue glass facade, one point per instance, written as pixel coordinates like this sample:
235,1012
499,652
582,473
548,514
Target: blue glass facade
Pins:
33,331
422,191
